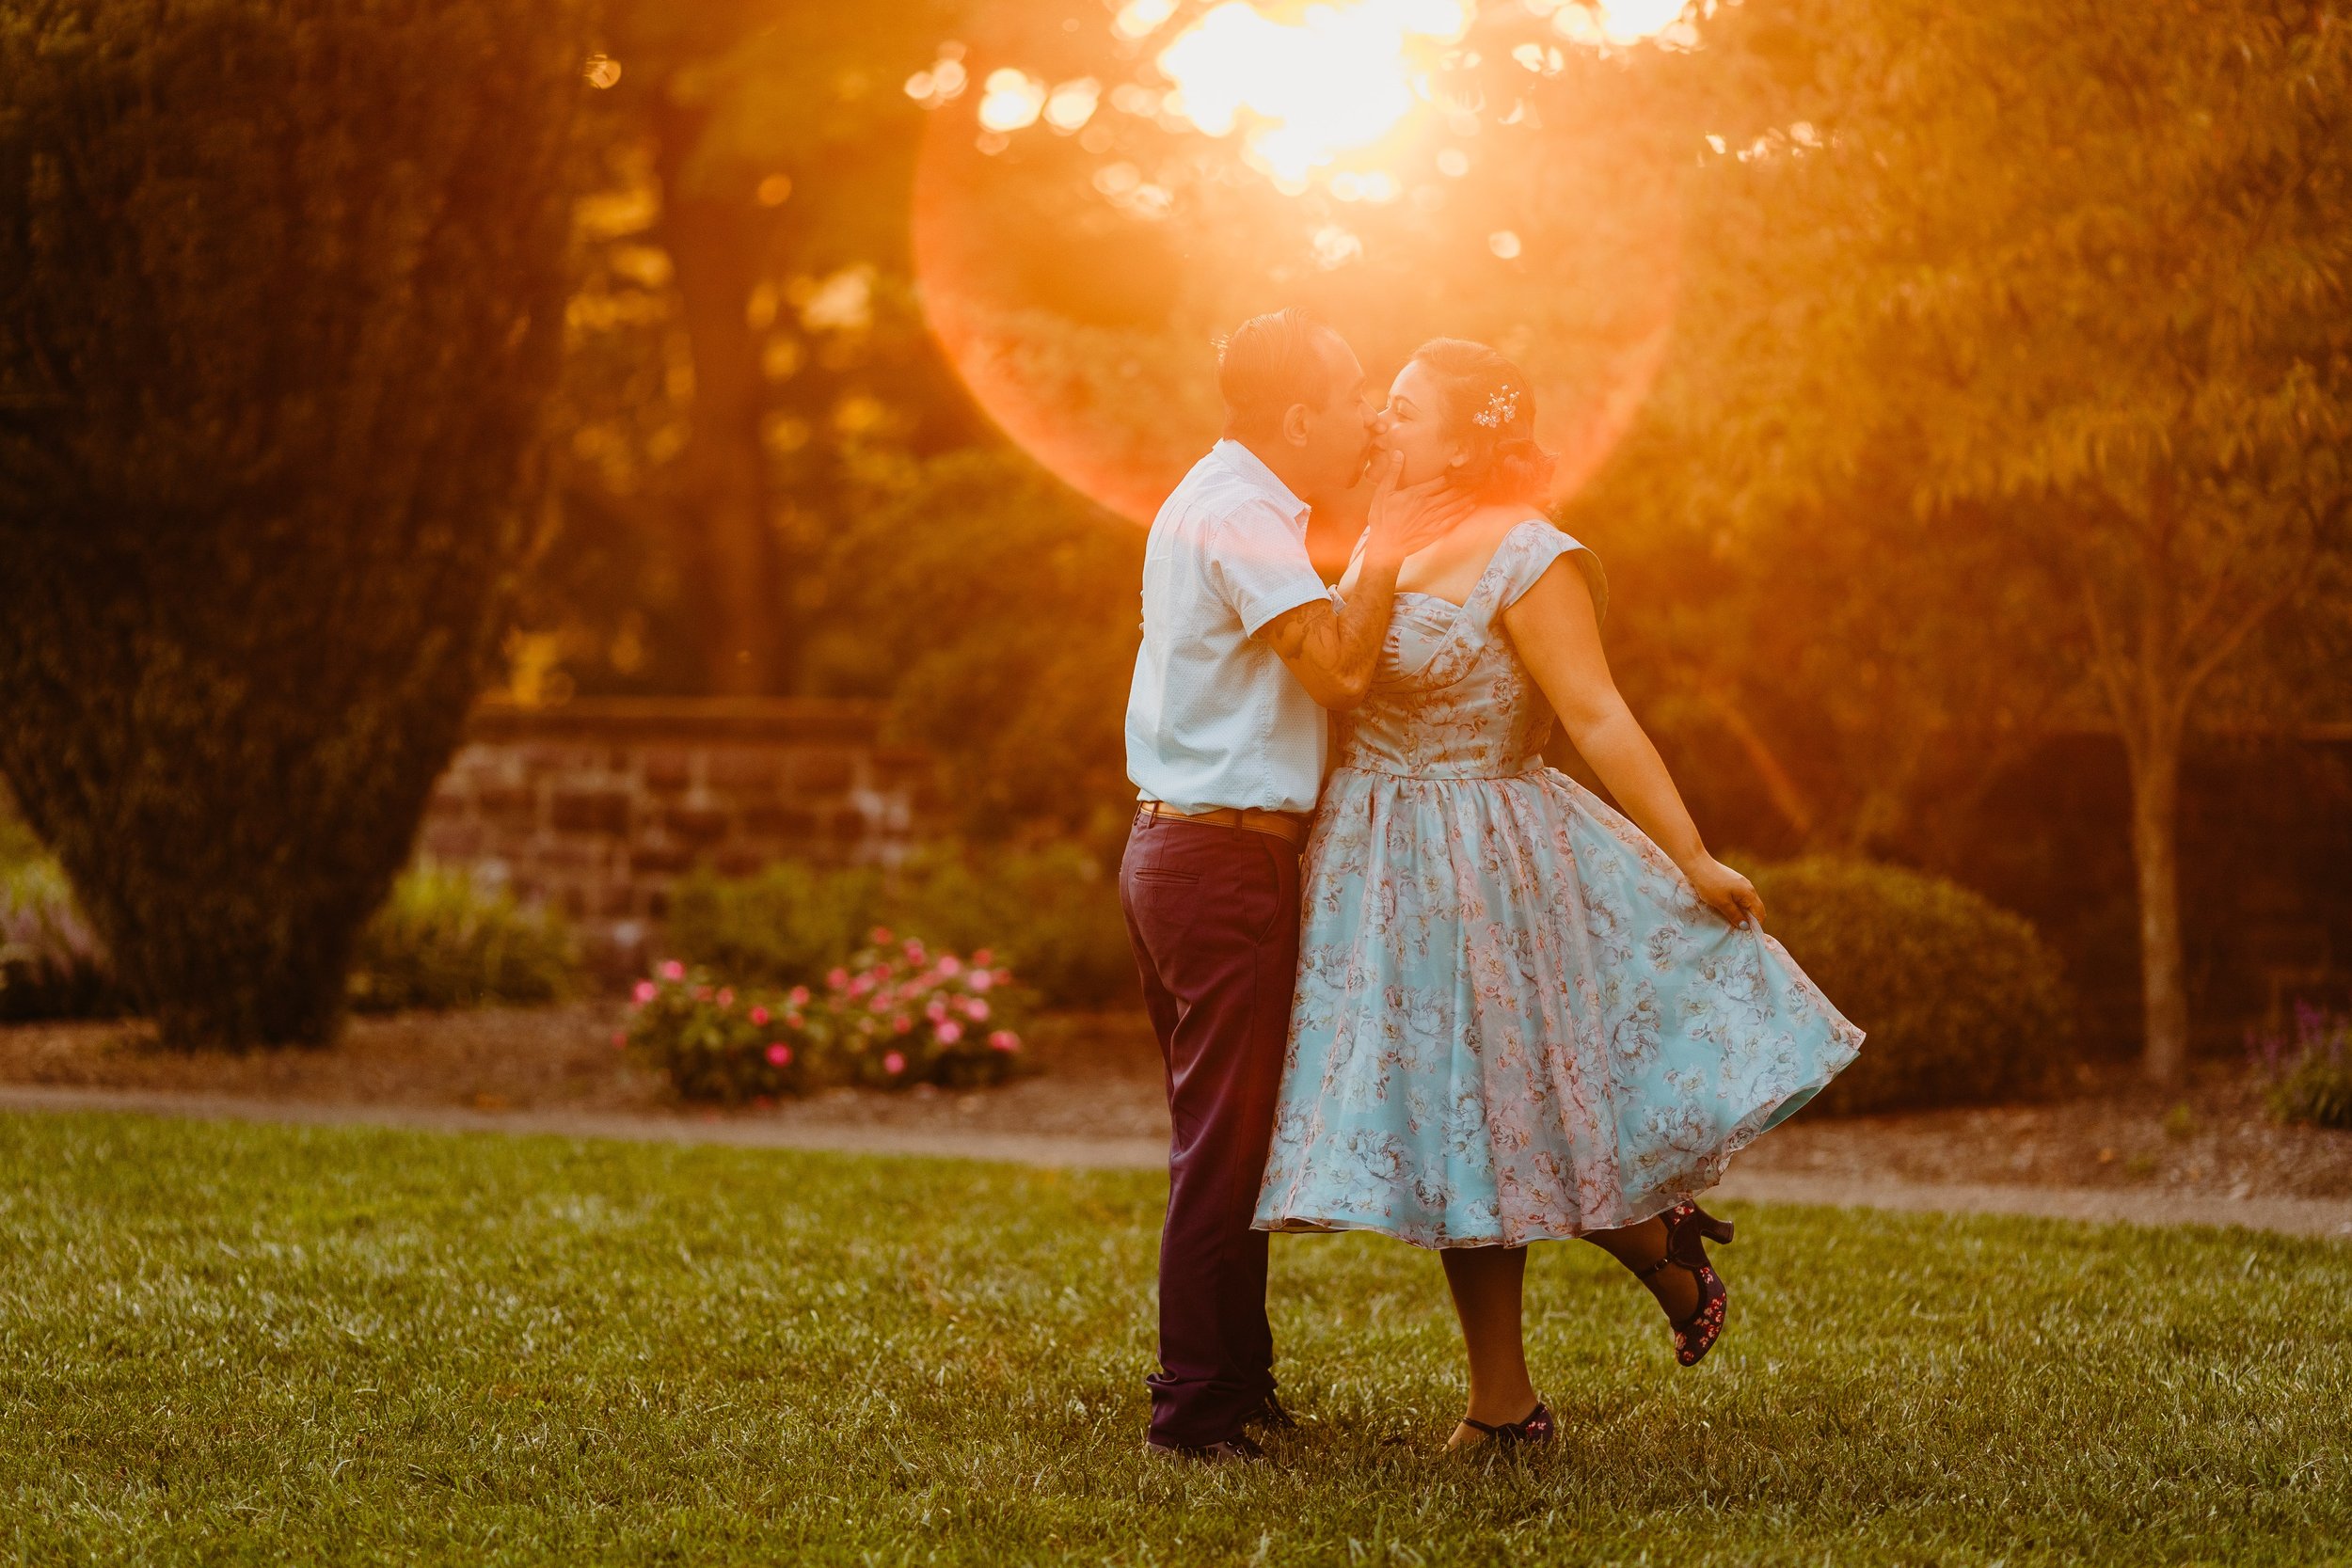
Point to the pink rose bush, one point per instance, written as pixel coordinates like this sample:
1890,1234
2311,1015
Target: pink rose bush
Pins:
895,1015
714,1044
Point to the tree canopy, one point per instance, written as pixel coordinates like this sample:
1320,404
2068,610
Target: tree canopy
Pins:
2034,317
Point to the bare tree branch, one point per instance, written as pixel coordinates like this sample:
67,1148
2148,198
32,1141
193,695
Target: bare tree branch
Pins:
2227,643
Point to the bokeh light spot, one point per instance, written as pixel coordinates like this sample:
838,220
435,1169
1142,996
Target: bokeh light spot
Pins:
1013,98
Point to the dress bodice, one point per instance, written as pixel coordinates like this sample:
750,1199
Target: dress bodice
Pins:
1451,698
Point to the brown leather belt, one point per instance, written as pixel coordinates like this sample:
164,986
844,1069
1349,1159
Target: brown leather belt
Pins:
1288,826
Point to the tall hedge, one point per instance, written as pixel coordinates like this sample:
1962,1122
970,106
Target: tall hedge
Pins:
282,291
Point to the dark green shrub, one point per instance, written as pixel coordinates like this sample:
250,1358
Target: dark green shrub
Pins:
784,926
51,963
1960,999
18,846
2318,1090
441,942
281,294
1050,914
2309,1075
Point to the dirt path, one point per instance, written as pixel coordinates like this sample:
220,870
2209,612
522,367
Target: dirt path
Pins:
2295,1216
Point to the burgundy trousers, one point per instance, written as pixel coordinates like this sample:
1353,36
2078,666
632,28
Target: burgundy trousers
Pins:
1213,913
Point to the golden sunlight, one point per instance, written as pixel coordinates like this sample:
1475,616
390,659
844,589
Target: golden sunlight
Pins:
1308,83
1338,78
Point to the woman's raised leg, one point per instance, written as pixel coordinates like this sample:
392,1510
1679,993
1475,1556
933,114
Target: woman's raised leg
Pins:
1638,1246
1668,1254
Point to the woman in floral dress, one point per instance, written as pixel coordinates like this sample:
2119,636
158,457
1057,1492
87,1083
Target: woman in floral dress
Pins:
1521,1016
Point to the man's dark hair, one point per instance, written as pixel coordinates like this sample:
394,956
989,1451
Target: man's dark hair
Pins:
1268,363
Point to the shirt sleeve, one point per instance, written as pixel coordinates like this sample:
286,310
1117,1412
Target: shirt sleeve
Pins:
1259,562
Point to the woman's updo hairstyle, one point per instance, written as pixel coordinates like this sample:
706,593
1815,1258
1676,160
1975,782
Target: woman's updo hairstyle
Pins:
1489,408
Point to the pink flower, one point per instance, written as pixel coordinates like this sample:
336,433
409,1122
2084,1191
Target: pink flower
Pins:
1004,976
860,986
894,1063
913,949
976,1009
980,979
880,936
780,1053
799,996
674,970
702,994
900,1024
837,978
983,958
937,1011
949,1032
726,996
949,964
646,990
1005,1040
759,1016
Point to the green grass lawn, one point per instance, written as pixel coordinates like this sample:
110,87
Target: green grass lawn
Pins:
234,1343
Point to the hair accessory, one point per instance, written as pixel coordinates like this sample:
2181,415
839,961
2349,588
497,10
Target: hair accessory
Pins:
1502,407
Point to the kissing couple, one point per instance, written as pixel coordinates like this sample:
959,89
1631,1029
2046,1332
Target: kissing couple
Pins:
1404,976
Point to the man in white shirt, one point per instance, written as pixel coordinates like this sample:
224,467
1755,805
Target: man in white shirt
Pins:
1244,649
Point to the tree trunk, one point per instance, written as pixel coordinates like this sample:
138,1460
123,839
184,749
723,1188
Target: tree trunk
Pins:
2156,769
711,242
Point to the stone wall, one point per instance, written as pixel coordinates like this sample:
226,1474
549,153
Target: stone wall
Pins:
598,805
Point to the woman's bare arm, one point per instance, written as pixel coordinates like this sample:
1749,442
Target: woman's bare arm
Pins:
1558,635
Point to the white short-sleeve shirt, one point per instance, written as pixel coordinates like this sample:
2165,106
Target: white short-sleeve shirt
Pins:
1214,718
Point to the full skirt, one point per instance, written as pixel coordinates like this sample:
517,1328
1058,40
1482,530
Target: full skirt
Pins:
1516,1020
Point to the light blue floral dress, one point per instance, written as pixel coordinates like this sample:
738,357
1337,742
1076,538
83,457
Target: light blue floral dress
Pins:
1515,1018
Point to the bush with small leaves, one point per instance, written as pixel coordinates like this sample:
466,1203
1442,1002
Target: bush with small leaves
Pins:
784,925
2308,1073
52,964
715,1044
441,941
1961,1000
896,1014
1051,914
900,1013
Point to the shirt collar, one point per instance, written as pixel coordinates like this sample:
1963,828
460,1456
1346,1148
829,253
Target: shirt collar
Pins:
1250,468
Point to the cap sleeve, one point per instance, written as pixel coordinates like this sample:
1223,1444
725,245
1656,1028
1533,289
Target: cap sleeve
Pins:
1527,553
